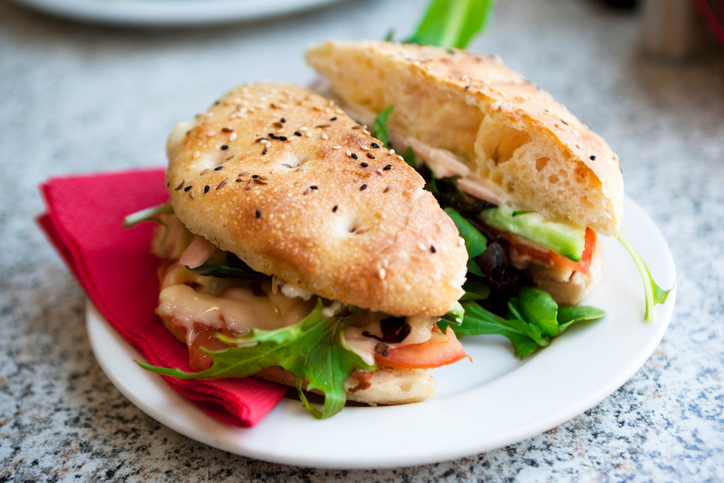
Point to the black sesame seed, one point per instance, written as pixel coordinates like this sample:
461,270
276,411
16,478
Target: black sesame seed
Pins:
388,167
297,133
273,136
224,147
354,156
364,165
187,188
283,120
255,176
375,145
467,87
206,189
314,187
218,168
264,151
334,210
282,138
432,248
258,213
593,157
333,118
363,187
369,155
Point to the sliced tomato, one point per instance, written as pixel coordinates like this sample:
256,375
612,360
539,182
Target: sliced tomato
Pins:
440,350
553,259
206,338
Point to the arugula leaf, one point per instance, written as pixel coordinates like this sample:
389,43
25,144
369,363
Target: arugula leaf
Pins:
149,214
653,293
475,242
313,350
410,158
537,307
449,23
568,315
225,264
379,129
475,290
455,314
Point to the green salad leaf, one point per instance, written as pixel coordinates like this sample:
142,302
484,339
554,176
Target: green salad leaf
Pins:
149,214
452,23
652,292
225,264
379,129
313,350
475,242
535,318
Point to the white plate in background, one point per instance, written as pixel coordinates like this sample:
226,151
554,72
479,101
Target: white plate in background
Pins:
170,13
493,402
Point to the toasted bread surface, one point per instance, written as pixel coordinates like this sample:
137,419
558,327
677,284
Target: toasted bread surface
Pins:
513,137
289,183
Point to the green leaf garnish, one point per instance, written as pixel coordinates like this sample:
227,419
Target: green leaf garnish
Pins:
149,214
225,264
455,314
475,290
453,23
523,212
410,158
534,320
312,350
475,242
653,293
379,129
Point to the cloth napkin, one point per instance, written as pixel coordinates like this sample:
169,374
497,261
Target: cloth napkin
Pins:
118,273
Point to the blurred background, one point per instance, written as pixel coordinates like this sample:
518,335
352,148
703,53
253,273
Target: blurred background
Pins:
96,85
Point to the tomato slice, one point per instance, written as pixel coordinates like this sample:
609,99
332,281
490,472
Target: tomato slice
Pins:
553,259
440,350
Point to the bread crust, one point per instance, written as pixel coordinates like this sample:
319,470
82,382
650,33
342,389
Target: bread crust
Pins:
510,134
385,386
303,208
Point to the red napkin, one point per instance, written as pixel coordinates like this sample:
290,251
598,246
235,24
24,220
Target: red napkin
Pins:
114,266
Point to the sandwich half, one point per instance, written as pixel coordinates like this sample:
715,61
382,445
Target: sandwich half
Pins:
290,224
550,185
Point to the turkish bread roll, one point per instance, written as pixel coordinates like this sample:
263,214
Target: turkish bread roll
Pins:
294,187
470,115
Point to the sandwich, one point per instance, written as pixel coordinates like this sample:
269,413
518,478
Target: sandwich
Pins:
297,249
496,150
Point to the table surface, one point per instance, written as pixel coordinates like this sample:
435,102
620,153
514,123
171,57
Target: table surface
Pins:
82,98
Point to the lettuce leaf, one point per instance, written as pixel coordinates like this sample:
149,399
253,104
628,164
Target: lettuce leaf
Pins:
313,350
379,129
652,292
449,23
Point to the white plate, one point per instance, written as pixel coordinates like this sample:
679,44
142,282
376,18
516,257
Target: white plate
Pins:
169,13
489,404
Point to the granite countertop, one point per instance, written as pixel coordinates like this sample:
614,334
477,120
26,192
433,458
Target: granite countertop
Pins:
82,98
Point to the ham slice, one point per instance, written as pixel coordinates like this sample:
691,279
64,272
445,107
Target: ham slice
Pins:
198,252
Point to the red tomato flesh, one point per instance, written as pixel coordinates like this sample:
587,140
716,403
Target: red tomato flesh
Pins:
440,350
559,261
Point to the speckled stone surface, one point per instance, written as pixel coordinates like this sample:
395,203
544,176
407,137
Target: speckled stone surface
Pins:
78,98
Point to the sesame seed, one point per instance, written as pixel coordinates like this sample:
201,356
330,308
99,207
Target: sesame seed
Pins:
382,273
364,165
363,187
204,172
277,125
188,188
392,151
333,118
375,145
238,180
222,184
282,138
369,155
308,134
211,134
349,153
249,185
400,158
389,188
379,171
304,128
258,214
388,167
244,173
283,106
224,147
273,136
421,246
364,148
314,187
218,168
324,136
357,126
593,158
283,120
255,176
354,156
206,189
191,195
264,151
336,147
181,185
297,133
227,129
432,249
232,137
334,210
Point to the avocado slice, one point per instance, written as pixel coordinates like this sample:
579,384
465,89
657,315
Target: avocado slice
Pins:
566,240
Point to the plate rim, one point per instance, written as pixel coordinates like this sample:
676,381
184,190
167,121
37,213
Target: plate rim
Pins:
222,436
